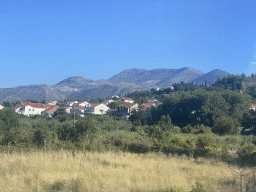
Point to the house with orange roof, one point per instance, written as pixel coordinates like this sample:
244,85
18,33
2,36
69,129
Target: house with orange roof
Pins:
96,109
152,100
127,100
78,110
81,103
106,102
30,109
126,109
49,112
27,110
70,103
253,107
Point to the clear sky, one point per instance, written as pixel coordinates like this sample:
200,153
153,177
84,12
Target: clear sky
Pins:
46,41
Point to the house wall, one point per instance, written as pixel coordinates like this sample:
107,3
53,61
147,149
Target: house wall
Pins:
28,111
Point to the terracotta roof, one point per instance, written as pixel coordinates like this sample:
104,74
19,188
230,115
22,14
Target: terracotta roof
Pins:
19,106
146,106
79,107
50,106
66,107
126,98
37,105
25,103
127,105
50,110
81,102
253,105
92,105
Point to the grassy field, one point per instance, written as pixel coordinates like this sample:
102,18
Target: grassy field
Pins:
86,171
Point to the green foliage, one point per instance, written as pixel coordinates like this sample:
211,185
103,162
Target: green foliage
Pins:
10,127
66,132
205,144
45,136
225,156
61,115
247,154
187,129
85,130
7,104
226,125
139,115
249,123
201,129
115,103
157,134
198,188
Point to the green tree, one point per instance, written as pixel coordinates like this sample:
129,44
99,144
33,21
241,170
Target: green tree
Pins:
10,126
45,136
85,130
7,104
61,115
226,126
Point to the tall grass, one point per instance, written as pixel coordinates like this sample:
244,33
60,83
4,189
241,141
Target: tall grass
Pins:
87,171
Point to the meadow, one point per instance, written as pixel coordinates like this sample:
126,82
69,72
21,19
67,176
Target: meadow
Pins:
62,170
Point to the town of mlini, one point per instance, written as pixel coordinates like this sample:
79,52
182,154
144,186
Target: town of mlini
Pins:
187,129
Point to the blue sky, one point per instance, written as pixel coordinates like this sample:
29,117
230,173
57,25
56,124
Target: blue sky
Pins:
46,41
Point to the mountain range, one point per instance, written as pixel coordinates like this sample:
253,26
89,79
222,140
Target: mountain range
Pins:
135,79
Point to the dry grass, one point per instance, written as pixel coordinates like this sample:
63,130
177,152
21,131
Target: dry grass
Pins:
108,171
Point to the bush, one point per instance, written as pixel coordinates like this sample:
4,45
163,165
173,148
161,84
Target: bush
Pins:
225,156
198,188
226,126
44,136
247,154
205,144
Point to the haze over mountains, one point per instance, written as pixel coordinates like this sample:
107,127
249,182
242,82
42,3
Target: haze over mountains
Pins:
124,82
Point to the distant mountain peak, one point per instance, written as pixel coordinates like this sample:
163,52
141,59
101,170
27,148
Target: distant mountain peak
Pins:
79,80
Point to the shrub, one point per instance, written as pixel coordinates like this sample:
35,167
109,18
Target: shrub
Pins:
44,136
247,154
205,144
198,188
225,156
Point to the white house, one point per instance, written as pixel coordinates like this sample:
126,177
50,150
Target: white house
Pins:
49,112
126,109
70,103
96,109
81,103
27,110
253,107
106,102
78,110
127,100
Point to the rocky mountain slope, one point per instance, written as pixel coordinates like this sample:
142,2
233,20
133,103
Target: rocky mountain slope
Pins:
125,82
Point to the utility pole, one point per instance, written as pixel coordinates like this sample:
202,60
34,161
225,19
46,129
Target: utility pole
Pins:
74,114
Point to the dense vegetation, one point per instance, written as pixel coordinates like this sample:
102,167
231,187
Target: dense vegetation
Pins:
193,120
197,120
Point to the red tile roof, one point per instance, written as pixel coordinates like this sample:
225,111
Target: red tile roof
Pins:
25,103
92,105
19,106
80,102
78,107
253,105
50,110
126,98
127,105
37,105
146,106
